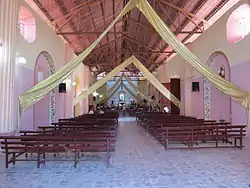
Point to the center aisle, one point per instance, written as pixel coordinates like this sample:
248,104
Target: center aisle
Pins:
135,157
138,162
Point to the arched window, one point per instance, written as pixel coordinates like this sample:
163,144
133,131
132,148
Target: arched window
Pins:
27,24
238,24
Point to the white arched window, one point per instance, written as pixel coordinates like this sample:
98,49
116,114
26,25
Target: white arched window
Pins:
238,24
27,25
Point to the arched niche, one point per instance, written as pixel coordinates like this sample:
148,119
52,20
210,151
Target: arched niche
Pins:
217,105
45,109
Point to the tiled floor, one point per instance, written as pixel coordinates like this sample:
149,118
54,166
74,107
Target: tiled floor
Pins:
139,161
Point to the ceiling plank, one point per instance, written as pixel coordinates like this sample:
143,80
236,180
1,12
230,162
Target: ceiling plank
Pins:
194,11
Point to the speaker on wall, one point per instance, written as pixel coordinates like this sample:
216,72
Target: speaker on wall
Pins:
195,86
62,88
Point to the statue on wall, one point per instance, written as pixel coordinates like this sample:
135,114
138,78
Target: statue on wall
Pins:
222,72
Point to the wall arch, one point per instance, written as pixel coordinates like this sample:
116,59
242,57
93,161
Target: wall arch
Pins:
217,105
44,67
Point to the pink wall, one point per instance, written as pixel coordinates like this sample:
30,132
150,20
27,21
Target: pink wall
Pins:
24,79
240,76
41,108
194,101
38,114
220,102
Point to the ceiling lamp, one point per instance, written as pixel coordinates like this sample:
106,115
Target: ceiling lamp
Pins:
73,83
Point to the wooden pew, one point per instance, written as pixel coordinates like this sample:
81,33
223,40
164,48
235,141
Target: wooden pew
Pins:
44,144
191,131
194,134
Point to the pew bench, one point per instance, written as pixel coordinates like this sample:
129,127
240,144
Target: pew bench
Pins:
195,136
16,146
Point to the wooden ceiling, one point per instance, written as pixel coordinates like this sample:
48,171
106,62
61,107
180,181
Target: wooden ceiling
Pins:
80,22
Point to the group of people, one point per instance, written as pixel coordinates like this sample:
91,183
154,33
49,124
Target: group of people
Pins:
99,110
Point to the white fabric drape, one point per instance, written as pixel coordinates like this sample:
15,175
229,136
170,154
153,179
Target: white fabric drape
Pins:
150,77
99,83
145,96
38,91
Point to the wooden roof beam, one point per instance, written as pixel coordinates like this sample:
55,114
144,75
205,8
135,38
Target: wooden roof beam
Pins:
195,9
90,33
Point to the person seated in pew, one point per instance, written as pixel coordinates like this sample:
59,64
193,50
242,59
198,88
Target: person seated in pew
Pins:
100,111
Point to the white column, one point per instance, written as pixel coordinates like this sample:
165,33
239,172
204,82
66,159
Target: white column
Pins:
8,27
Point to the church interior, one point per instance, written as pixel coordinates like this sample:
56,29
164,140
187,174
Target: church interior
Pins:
124,93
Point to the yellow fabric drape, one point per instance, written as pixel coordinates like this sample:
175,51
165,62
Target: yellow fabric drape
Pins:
38,91
157,84
138,90
99,83
110,90
111,94
238,94
115,84
145,73
130,92
126,88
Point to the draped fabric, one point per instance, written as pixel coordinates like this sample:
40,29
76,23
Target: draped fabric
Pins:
156,83
111,94
238,94
116,83
130,92
113,91
38,91
110,90
150,77
102,81
145,96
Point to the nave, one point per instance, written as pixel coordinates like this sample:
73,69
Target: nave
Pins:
138,161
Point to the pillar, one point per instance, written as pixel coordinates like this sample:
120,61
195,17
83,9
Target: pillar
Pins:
8,28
